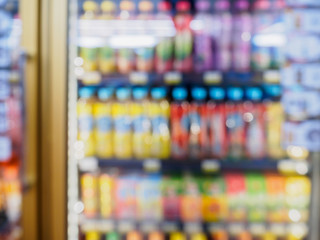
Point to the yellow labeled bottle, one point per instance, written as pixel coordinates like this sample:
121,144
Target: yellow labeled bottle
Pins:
102,111
106,185
85,120
159,111
122,137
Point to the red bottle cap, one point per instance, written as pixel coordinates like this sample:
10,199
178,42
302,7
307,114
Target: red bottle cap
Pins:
183,6
262,5
164,6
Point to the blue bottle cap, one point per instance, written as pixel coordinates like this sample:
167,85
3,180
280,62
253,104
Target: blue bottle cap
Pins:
273,90
254,94
158,93
139,93
235,93
105,93
199,93
179,93
123,93
217,93
86,92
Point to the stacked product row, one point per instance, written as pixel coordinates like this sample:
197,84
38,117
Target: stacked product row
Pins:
216,123
231,197
212,39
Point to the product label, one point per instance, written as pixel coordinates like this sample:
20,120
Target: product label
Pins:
122,124
126,198
85,123
104,124
5,148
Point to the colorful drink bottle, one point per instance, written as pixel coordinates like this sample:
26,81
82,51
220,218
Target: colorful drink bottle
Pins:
236,192
214,204
177,236
198,133
122,137
171,197
219,234
102,112
256,197
235,124
203,42
276,198
149,198
262,19
106,185
242,30
134,235
140,123
222,35
274,123
179,124
145,56
217,123
112,236
183,40
89,195
159,110
107,54
156,236
254,124
191,201
164,49
125,197
92,235
125,60
198,236
85,120
89,54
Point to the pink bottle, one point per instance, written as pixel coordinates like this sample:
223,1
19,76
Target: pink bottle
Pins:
242,30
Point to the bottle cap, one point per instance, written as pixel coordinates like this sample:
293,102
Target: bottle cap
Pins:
139,93
199,93
126,5
123,93
145,6
217,93
164,6
279,4
254,94
158,93
179,93
222,5
105,93
242,5
89,6
86,92
262,5
235,94
108,6
273,90
202,5
183,6
112,236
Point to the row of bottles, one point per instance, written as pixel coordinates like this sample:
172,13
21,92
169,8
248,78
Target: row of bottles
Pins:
141,123
231,197
212,39
217,234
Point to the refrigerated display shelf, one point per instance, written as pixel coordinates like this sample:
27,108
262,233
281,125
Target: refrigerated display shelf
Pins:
207,165
176,78
123,226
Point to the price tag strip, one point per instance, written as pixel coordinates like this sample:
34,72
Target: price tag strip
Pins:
138,78
89,164
212,77
172,78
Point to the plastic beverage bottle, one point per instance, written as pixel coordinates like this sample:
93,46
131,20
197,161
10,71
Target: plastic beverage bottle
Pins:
203,42
122,137
274,123
89,194
86,121
6,143
179,124
177,236
242,30
159,116
141,124
89,54
92,235
222,35
164,49
107,55
145,56
156,236
220,234
106,193
235,123
134,235
183,40
262,19
254,124
126,60
217,123
198,131
198,236
113,236
102,112
171,197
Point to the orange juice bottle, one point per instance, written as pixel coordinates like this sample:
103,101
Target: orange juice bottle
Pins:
89,194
